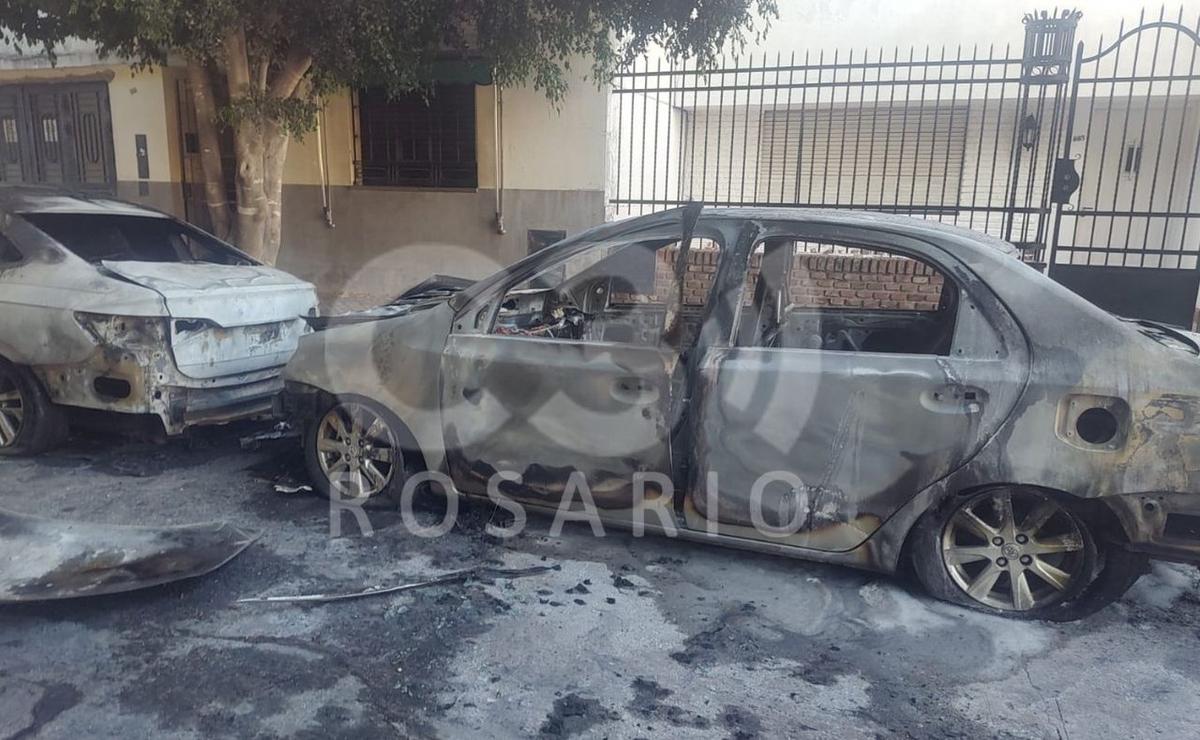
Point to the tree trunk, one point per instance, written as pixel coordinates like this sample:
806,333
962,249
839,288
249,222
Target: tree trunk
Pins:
248,149
274,158
252,210
289,82
211,166
260,145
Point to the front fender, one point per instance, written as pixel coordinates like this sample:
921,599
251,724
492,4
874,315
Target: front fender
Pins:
395,362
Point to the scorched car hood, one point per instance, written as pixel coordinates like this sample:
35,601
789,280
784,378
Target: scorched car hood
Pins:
44,559
428,293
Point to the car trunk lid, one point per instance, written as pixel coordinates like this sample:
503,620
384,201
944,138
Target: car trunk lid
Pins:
226,319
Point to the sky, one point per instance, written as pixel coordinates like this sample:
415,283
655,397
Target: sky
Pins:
845,24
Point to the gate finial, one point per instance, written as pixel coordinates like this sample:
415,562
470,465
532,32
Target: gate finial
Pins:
1048,45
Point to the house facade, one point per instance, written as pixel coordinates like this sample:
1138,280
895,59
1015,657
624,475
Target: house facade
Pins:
381,195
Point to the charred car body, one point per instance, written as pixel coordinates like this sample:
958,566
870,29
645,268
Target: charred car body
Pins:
109,306
878,391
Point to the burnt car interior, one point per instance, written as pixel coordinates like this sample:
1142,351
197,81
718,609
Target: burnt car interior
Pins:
800,294
99,237
840,298
616,293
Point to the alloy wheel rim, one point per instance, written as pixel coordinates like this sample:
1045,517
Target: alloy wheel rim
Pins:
12,410
1013,550
357,451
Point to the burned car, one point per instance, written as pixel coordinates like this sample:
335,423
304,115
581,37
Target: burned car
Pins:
109,306
879,391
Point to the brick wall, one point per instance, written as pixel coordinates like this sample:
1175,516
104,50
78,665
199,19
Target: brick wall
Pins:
876,281
816,280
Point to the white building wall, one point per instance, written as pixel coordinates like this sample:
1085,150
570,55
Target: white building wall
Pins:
1165,180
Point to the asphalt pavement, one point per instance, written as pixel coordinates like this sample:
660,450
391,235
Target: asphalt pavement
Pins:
624,638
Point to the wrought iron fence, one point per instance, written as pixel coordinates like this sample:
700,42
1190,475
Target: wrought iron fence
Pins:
1134,131
963,137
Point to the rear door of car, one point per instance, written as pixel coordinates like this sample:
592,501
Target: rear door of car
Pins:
815,440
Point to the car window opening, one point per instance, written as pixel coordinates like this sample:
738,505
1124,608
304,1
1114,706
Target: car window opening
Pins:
838,298
119,238
615,292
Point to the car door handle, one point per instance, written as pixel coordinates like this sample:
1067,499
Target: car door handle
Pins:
954,399
472,395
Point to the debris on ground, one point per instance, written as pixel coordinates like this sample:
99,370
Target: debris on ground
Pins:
285,486
138,464
282,430
454,577
45,559
283,469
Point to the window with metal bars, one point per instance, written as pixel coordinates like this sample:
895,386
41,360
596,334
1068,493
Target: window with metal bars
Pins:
417,139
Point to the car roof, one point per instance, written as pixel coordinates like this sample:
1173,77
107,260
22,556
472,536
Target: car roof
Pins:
969,244
42,199
964,238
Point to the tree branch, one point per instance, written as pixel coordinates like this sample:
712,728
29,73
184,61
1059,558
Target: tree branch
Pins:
211,166
295,66
237,63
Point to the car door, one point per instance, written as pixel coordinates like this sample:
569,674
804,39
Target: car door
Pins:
569,367
873,367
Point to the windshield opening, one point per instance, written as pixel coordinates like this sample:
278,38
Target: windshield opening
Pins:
98,237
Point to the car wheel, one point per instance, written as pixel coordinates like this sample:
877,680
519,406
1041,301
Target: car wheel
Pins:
29,423
356,451
1019,552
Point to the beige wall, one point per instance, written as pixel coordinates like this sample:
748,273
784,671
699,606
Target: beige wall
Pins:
552,146
385,239
337,134
546,146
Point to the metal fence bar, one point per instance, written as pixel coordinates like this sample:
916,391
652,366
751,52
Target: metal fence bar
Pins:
1187,99
732,127
787,131
1162,132
887,139
800,138
745,130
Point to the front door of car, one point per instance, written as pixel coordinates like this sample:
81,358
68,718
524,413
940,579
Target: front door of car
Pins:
864,366
564,376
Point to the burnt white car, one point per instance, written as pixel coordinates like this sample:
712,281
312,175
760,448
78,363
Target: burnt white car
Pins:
109,306
879,391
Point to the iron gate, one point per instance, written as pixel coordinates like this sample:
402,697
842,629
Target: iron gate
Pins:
1129,241
962,137
58,134
986,139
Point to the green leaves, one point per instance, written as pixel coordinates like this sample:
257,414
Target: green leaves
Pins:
296,116
389,43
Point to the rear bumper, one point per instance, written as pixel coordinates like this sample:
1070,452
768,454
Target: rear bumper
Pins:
1165,526
199,406
150,384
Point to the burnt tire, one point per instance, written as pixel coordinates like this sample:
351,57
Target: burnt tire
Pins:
1019,552
29,423
356,451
